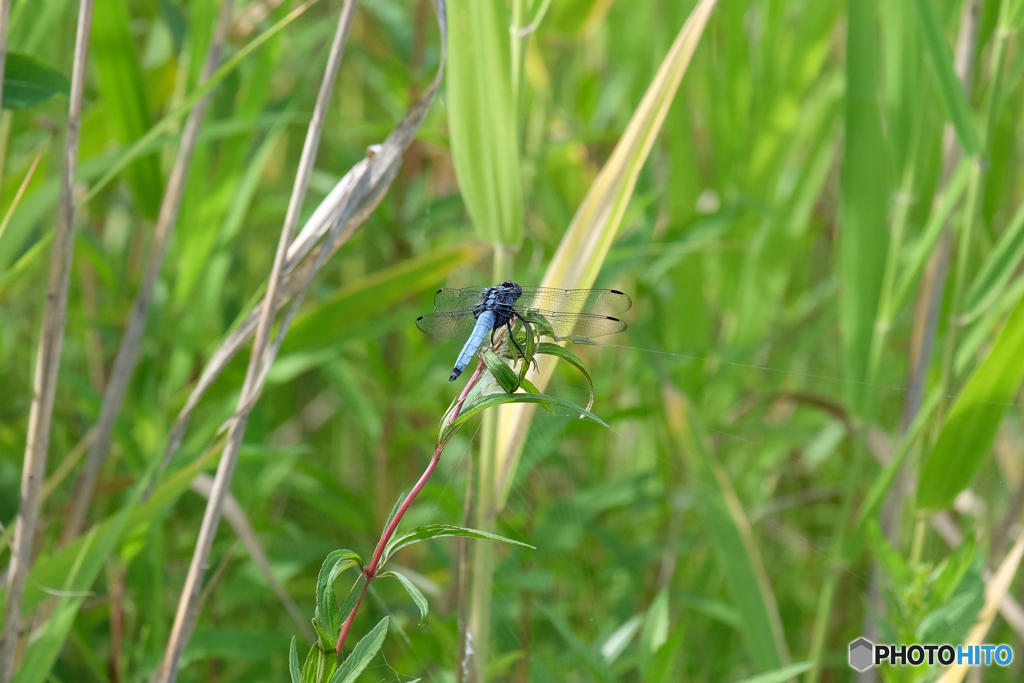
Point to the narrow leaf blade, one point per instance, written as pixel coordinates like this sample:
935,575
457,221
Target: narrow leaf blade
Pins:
364,651
414,593
967,434
424,533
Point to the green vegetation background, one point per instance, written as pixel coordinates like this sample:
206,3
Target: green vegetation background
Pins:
760,494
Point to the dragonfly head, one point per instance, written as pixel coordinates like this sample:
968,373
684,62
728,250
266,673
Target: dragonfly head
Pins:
517,291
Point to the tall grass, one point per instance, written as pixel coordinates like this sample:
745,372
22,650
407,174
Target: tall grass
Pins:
814,415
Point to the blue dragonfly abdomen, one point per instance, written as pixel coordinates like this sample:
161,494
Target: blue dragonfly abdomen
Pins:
484,324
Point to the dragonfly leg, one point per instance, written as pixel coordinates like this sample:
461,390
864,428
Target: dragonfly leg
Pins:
508,325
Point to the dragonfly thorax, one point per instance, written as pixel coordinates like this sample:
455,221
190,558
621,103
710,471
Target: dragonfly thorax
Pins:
500,299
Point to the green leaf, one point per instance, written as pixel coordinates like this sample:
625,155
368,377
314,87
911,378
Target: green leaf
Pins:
326,641
662,666
953,570
865,197
293,662
970,429
424,533
567,355
414,593
656,623
582,652
922,251
121,85
952,90
890,560
620,638
781,675
954,617
446,431
880,487
364,651
28,82
326,612
531,388
502,373
998,268
318,665
482,119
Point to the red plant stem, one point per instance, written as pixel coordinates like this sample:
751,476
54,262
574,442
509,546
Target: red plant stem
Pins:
347,626
371,570
465,392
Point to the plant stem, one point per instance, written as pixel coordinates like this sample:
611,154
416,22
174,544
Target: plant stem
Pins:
465,392
51,339
482,574
262,355
347,626
370,571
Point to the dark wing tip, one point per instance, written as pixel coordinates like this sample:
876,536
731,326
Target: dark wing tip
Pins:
419,318
439,291
618,321
615,291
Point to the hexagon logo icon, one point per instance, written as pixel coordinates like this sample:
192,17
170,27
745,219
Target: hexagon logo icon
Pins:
861,651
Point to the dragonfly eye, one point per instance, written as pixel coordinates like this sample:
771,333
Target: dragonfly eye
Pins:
514,286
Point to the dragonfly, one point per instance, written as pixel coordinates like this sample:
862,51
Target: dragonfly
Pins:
471,312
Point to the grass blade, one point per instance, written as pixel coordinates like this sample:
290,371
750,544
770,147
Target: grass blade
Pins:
998,268
865,194
952,91
482,119
120,81
967,434
585,245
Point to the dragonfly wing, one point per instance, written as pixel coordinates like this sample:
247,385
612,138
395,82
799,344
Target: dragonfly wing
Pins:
581,324
448,325
450,299
606,302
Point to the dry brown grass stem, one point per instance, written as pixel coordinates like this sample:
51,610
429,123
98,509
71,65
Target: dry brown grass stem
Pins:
337,217
51,339
187,613
128,353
